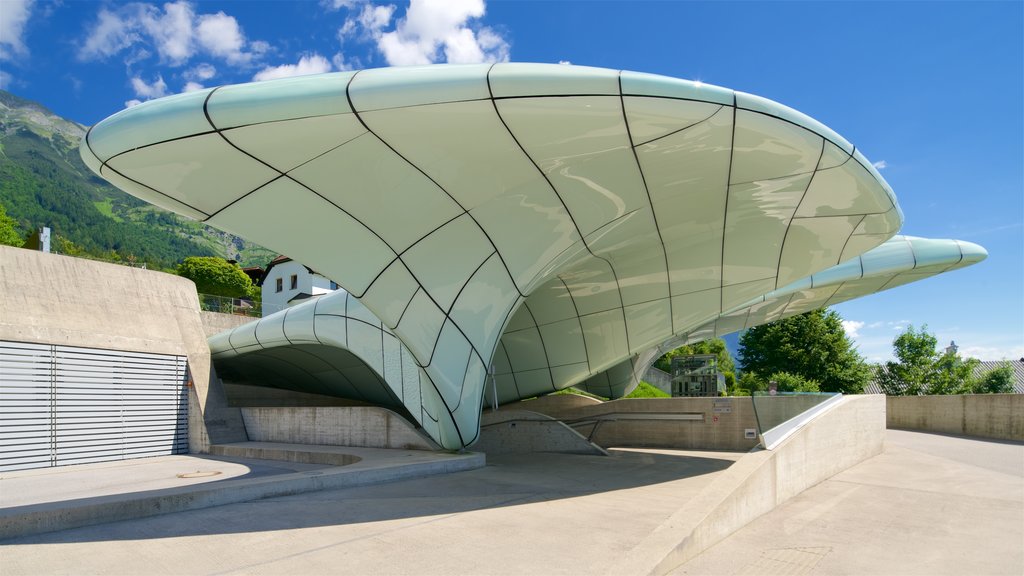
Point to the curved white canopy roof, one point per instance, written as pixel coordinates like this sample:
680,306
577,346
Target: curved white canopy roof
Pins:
624,209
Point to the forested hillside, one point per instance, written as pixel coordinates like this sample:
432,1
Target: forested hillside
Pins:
43,182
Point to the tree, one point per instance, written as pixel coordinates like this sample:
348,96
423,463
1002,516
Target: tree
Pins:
812,346
216,276
9,235
921,369
996,381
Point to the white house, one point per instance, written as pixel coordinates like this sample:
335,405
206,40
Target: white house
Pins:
287,282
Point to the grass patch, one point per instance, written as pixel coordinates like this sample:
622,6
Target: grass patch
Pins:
645,390
106,207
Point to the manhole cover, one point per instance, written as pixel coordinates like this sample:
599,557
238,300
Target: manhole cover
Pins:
199,474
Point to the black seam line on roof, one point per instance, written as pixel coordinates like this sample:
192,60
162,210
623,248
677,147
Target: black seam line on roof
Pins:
746,318
725,211
398,256
583,334
436,339
420,104
843,250
351,105
789,224
448,317
347,296
554,190
169,197
447,312
383,360
144,146
650,201
374,326
519,394
543,347
805,128
318,156
785,308
407,303
209,120
774,178
315,335
284,319
911,247
672,133
651,301
240,198
563,365
462,387
451,413
283,174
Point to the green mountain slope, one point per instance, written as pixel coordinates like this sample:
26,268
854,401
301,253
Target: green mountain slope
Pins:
43,182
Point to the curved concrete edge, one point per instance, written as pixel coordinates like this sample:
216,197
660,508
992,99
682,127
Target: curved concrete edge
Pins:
522,431
50,517
850,432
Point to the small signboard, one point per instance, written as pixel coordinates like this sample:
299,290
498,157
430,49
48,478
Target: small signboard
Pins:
750,433
722,406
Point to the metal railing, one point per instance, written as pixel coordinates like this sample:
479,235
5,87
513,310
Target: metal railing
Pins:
235,306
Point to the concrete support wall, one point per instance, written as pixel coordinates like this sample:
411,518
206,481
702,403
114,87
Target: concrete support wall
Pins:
521,431
659,379
53,299
364,426
844,435
998,416
702,424
216,322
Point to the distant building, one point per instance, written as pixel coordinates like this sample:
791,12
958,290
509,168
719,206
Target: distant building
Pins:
255,273
697,375
286,282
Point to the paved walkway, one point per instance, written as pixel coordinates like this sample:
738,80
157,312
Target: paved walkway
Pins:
928,505
540,513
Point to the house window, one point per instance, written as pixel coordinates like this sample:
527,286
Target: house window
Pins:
295,281
280,284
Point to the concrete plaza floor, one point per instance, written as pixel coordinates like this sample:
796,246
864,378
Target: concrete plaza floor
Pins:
930,504
927,505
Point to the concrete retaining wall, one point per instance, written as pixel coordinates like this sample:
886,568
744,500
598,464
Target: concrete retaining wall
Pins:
521,431
844,435
999,416
216,322
53,299
365,426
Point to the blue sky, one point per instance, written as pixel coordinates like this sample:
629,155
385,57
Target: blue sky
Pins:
931,92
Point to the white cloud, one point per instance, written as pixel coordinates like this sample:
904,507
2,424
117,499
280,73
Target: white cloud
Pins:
155,89
565,62
310,64
339,4
851,327
13,16
6,80
880,165
132,102
192,87
436,29
108,36
221,36
171,31
200,72
992,352
174,31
